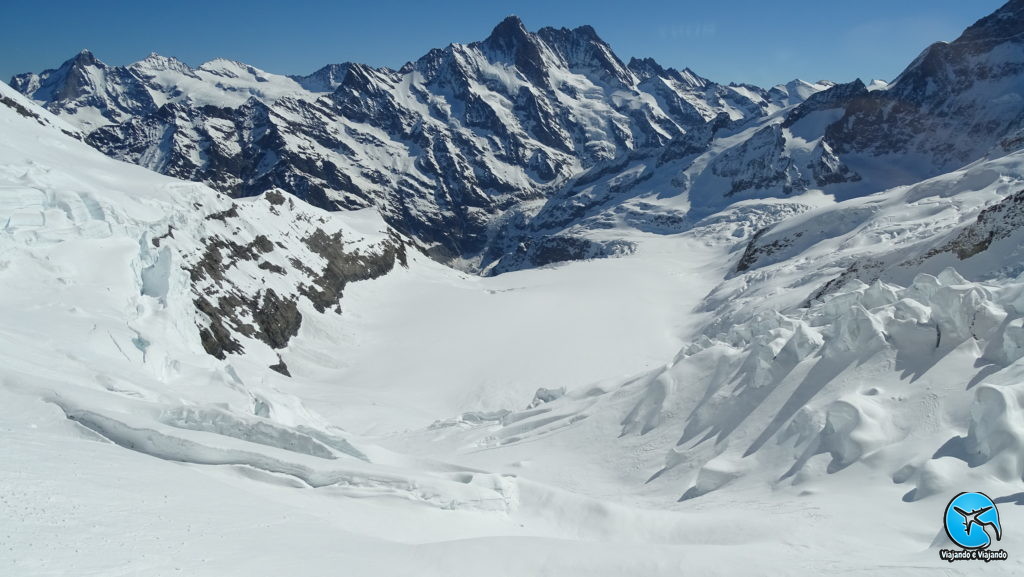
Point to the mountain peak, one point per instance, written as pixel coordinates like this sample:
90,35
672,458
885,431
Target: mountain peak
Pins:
156,58
326,79
510,41
511,20
587,31
510,29
645,67
156,62
230,68
86,58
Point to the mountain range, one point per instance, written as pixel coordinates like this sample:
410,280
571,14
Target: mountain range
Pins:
488,153
449,148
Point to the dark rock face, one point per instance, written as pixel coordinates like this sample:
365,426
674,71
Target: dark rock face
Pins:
559,248
693,142
326,288
270,318
281,368
217,338
277,320
756,250
250,287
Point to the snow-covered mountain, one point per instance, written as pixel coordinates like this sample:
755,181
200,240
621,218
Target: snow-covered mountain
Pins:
488,154
812,339
444,147
956,104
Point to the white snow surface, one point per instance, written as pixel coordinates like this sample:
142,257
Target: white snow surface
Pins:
655,414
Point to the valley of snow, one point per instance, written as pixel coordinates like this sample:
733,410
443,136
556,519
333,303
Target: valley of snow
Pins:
658,413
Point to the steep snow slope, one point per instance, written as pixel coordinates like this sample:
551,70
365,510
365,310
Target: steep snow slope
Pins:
104,348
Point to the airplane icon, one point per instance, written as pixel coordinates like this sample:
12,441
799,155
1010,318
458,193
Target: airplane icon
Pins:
972,519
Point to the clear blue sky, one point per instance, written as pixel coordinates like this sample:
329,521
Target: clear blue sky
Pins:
762,42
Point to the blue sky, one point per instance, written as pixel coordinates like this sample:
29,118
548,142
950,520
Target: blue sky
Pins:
751,41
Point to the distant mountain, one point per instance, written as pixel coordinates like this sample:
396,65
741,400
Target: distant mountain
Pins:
512,151
956,104
443,147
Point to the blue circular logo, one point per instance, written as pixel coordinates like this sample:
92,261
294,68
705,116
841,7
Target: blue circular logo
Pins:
969,516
